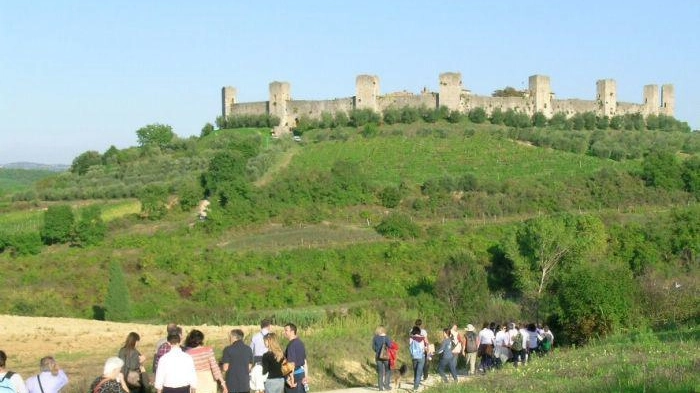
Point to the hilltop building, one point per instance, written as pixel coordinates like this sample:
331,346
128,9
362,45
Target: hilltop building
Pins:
537,98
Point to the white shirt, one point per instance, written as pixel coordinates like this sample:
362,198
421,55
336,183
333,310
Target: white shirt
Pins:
175,370
502,339
257,344
526,336
486,336
16,380
532,340
51,383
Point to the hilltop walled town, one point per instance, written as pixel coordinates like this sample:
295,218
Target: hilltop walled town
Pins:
452,94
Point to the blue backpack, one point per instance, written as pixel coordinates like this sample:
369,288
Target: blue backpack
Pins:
6,385
417,349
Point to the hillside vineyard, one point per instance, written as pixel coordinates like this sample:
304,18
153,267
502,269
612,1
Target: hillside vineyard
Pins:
452,95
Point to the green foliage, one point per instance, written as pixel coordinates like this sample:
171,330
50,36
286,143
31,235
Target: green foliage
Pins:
58,224
663,170
462,280
477,115
516,119
508,91
90,229
154,201
207,129
690,173
390,196
117,304
20,243
189,194
246,121
497,117
391,115
539,119
398,225
595,301
156,134
361,117
83,162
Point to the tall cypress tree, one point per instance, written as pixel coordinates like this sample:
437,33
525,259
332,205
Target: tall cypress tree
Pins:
117,303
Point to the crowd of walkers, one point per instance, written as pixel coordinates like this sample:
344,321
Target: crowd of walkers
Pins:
494,346
185,366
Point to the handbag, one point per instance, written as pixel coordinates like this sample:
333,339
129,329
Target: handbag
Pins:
287,367
133,379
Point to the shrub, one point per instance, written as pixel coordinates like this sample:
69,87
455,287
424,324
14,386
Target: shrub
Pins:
58,224
398,225
477,115
390,196
497,117
90,229
154,201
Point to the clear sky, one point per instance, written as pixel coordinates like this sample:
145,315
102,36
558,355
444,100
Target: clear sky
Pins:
84,75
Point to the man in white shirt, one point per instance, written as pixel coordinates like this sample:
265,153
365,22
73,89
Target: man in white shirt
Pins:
486,337
15,380
257,345
176,372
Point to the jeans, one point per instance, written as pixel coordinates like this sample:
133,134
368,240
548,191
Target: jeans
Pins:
418,365
274,385
444,364
383,375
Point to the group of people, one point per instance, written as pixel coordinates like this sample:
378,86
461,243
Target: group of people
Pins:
494,345
186,367
50,379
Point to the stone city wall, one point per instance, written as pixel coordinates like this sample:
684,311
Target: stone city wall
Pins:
538,98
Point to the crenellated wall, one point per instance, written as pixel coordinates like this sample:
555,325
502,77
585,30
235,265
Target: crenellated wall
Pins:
538,98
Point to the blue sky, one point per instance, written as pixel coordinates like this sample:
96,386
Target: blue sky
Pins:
85,75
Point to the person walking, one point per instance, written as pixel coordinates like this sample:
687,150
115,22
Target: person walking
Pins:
237,363
471,346
296,353
51,379
176,372
205,365
417,345
257,345
445,350
133,370
381,344
272,364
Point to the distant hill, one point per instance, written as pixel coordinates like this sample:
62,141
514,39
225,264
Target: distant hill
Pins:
36,166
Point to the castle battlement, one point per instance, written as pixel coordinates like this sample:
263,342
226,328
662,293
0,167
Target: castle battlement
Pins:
538,98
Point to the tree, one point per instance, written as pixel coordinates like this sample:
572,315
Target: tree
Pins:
117,302
497,117
83,162
508,92
155,135
90,229
691,175
154,201
662,169
206,130
544,243
539,119
462,280
58,224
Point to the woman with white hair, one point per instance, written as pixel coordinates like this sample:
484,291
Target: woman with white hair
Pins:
112,379
51,379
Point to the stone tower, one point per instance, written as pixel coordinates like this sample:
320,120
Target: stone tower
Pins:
668,100
277,106
651,100
541,93
367,91
228,98
450,90
607,97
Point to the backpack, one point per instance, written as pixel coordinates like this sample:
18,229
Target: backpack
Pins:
546,343
7,385
417,349
517,342
383,352
471,342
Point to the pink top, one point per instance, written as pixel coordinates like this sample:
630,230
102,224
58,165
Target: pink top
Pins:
204,360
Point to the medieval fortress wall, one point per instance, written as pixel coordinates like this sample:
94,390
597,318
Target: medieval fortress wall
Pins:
538,98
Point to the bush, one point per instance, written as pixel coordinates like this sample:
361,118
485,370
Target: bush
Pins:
154,201
398,225
477,115
390,196
90,229
497,117
58,224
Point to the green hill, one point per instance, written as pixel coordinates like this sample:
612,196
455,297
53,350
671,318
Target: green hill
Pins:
401,220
